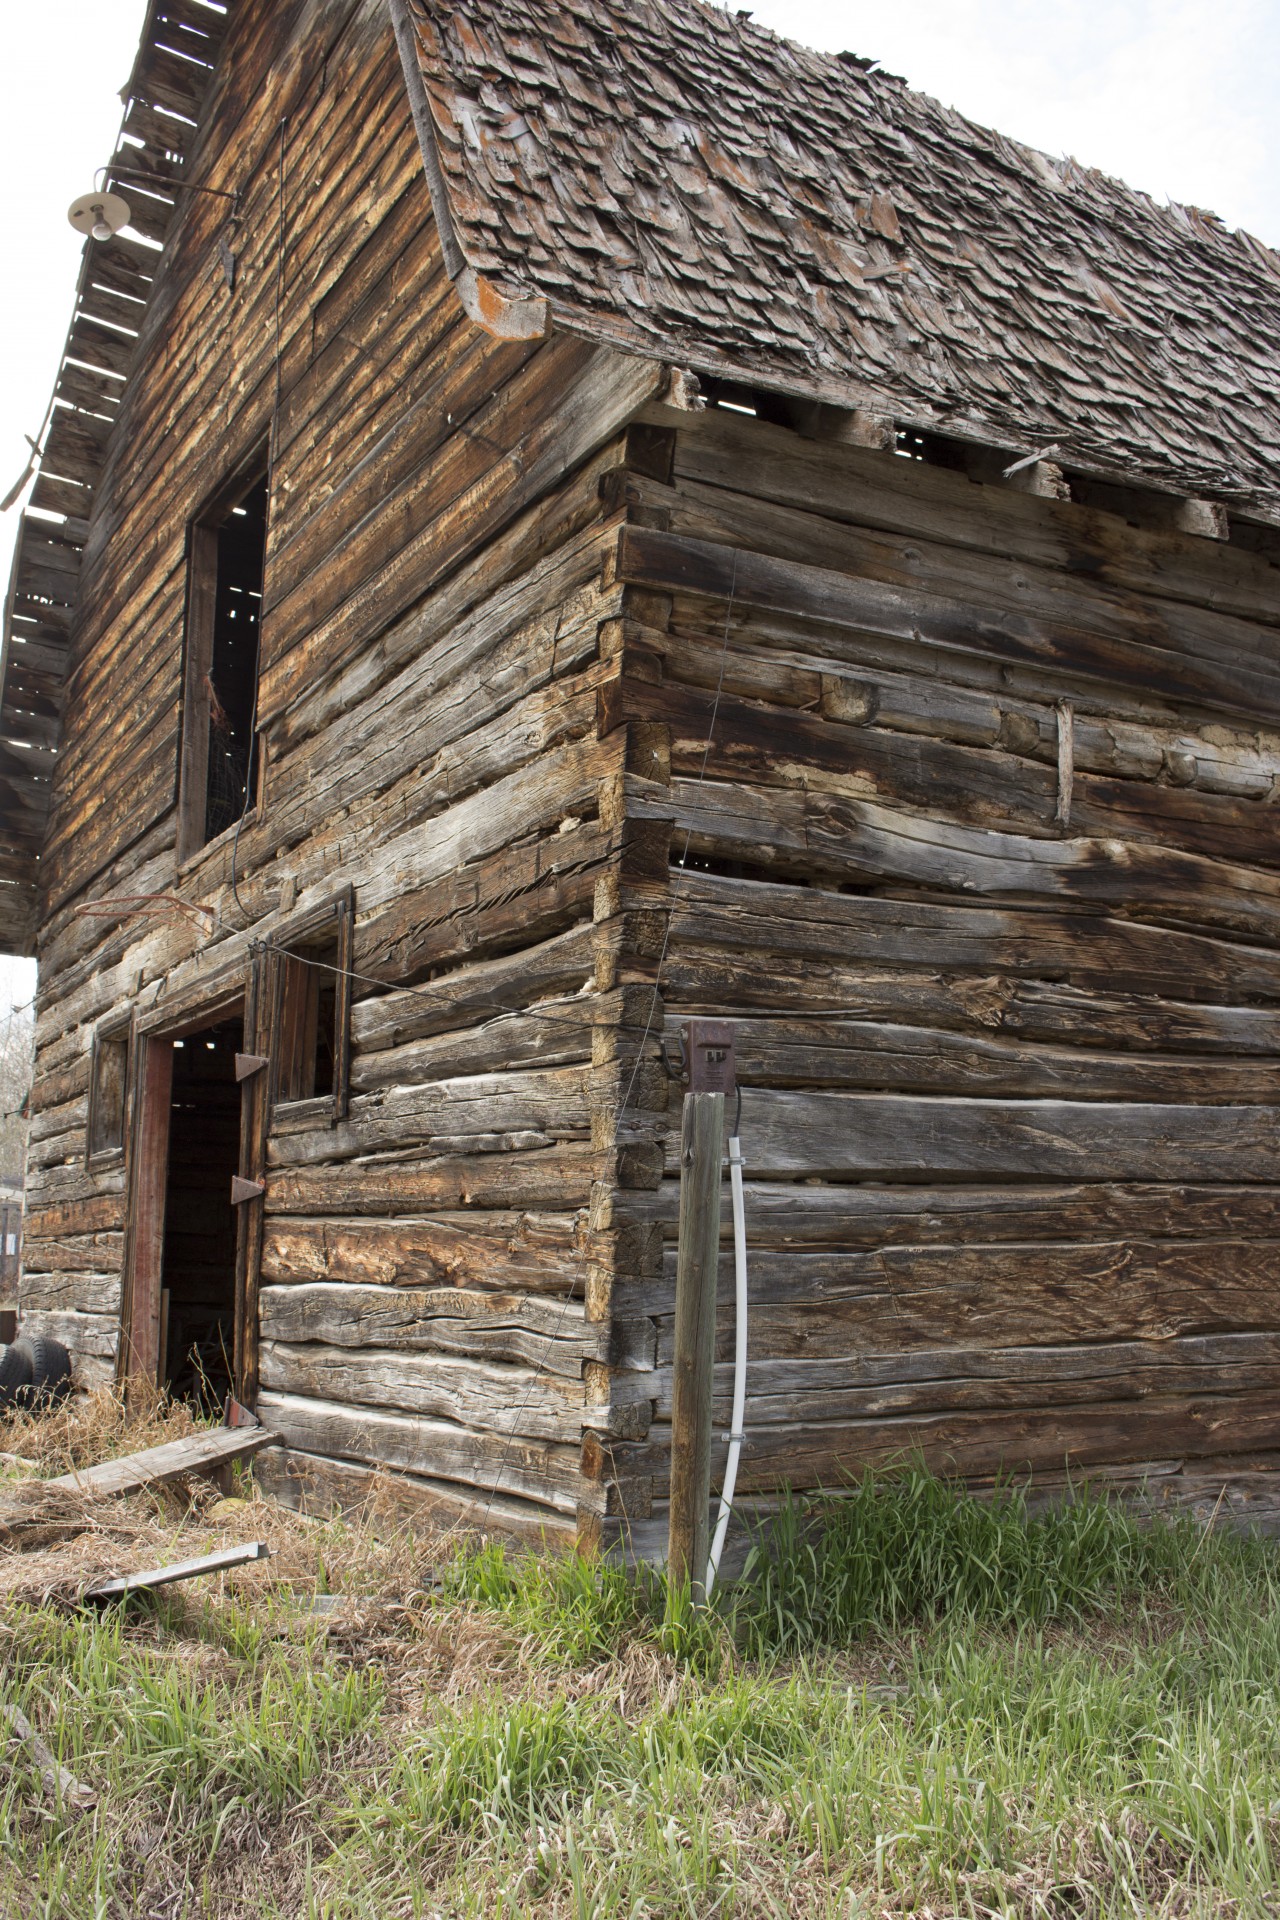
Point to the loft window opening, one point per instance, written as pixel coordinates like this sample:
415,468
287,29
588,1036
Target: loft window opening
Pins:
227,548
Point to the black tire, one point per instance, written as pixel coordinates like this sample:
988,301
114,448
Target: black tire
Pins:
15,1376
50,1369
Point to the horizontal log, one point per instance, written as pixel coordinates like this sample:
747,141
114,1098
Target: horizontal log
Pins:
475,1393
77,1291
823,835
518,893
804,1214
880,1054
541,1178
100,1252
486,1113
716,980
507,1250
531,1469
874,1136
551,1335
550,1033
311,1484
991,1441
824,1305
1081,948
88,1336
454,999
784,1392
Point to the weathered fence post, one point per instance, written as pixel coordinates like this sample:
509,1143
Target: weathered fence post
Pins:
710,1074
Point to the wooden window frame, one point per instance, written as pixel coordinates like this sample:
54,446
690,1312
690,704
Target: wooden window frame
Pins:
334,921
111,1033
199,614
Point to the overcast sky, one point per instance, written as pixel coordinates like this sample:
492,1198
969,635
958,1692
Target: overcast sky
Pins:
1176,96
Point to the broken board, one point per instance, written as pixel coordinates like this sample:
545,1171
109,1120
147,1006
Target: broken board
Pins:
199,1453
217,1562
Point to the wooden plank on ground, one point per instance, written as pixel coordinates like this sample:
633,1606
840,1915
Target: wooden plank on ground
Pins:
217,1562
199,1453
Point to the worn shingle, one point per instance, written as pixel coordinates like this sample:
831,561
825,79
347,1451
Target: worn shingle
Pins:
747,206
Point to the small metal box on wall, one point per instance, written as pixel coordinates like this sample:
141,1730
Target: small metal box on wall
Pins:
710,1065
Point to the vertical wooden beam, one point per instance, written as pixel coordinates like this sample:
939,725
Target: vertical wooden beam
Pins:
254,1114
689,1539
140,1356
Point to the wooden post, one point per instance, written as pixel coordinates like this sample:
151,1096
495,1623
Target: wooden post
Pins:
710,1073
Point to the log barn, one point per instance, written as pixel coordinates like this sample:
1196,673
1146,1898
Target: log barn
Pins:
561,516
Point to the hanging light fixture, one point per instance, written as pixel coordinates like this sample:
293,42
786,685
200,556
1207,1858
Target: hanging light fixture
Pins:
99,215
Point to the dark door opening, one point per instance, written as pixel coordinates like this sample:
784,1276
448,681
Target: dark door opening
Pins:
198,1272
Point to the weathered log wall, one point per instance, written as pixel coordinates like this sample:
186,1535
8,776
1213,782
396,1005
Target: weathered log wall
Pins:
432,660
1008,1016
959,800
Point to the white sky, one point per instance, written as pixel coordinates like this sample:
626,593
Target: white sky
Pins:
1176,96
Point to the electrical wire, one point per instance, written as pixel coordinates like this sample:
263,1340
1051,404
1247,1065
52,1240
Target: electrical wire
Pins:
501,1009
738,1415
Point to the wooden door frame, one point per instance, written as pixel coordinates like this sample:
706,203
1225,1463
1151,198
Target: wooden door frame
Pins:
139,1357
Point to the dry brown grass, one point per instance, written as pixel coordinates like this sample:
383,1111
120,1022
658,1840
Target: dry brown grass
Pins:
91,1427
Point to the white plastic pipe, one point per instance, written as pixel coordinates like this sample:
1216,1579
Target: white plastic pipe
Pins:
736,1435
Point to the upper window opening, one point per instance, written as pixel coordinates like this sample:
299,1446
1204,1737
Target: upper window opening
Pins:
224,614
231,779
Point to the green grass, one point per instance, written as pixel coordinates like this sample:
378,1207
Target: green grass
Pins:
921,1702
890,1553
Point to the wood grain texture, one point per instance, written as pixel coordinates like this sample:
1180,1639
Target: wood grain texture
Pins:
610,713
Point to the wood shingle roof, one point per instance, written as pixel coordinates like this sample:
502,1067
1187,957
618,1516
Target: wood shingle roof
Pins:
673,178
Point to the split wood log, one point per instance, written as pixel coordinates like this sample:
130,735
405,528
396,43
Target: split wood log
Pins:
539,1470
872,1136
552,1335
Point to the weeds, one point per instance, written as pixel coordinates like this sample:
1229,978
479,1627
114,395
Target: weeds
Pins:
921,1702
914,1547
572,1609
96,1426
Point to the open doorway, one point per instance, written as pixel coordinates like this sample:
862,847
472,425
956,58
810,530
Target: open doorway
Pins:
198,1264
